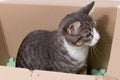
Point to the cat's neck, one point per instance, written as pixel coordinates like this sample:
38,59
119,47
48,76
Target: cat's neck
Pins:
77,53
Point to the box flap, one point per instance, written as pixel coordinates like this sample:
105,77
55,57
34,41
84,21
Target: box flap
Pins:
107,77
8,73
47,75
3,47
112,71
61,2
114,64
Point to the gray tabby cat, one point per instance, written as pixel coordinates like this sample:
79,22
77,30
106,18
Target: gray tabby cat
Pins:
63,50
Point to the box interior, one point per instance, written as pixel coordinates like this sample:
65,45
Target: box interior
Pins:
17,20
3,48
114,65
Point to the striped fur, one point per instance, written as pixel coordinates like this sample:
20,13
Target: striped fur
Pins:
44,50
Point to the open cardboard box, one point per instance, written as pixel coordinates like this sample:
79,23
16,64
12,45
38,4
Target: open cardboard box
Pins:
18,18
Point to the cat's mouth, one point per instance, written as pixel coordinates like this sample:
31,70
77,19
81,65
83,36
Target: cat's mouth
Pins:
78,42
94,42
91,42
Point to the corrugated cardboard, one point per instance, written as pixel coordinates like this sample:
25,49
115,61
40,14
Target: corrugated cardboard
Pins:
25,74
114,64
3,48
18,18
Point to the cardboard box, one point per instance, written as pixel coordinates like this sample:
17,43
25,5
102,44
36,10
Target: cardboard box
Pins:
18,18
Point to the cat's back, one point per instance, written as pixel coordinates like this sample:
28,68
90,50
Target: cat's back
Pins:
39,36
34,49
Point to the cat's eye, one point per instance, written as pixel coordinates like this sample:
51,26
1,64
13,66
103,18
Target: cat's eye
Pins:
89,29
88,35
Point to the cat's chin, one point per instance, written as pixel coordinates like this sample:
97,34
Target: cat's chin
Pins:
72,44
93,42
79,44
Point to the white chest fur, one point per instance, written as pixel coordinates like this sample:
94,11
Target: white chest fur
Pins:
77,53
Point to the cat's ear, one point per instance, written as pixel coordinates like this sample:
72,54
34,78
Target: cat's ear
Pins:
88,8
73,27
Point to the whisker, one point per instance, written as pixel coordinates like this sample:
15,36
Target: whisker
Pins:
94,53
98,50
91,52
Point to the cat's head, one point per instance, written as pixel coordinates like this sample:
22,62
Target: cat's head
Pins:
78,28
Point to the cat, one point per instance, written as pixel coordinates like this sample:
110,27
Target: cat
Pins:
62,50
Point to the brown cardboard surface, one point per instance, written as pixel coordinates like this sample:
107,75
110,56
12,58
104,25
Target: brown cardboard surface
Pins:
3,48
18,19
106,77
7,73
45,75
104,3
114,64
